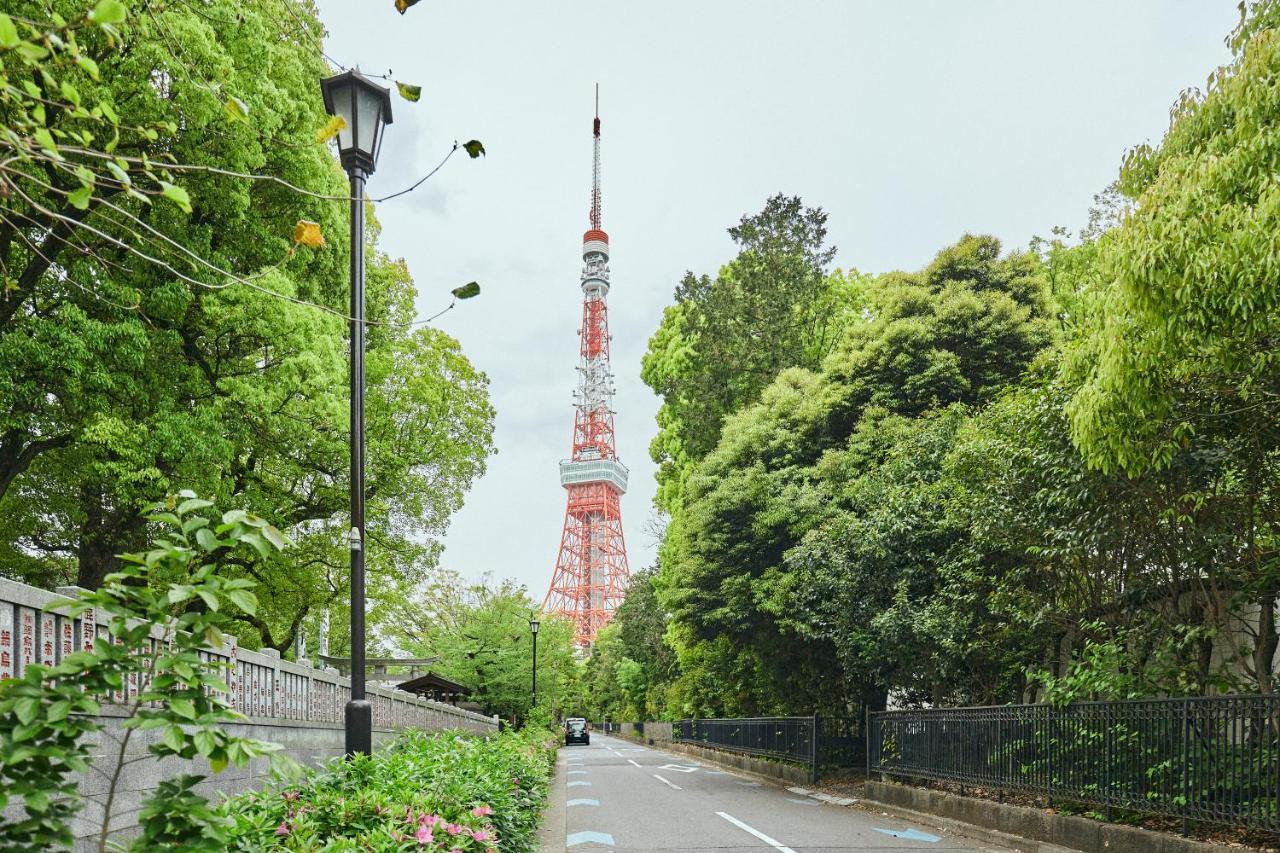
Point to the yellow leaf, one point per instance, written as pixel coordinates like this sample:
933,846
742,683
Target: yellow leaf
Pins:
307,233
402,6
331,128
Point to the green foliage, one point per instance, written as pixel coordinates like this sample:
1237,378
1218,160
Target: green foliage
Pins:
726,338
161,610
481,633
434,791
162,325
804,457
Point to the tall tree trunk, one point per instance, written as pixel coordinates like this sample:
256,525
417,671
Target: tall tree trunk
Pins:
105,533
1264,650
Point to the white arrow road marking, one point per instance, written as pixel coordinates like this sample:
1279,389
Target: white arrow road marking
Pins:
776,845
583,802
589,837
578,783
667,783
633,761
678,767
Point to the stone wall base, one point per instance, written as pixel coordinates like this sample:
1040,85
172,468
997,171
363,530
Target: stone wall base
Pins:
1041,830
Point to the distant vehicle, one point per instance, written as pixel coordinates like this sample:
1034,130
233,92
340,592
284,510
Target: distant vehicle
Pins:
575,731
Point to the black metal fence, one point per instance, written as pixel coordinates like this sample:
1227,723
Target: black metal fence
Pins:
1212,759
784,738
815,742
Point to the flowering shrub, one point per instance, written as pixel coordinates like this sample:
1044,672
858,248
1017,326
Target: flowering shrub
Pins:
448,792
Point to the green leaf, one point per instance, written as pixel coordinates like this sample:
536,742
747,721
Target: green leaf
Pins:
8,32
31,52
218,764
177,195
59,710
193,504
255,539
109,12
79,197
467,291
183,708
26,709
275,537
91,68
474,148
205,742
245,600
209,599
36,801
207,539
45,139
174,738
236,110
409,92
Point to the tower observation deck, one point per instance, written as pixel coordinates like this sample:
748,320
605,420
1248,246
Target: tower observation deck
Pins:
591,574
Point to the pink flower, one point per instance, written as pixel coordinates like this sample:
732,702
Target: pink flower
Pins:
424,834
481,811
456,850
481,835
431,819
290,796
453,829
283,828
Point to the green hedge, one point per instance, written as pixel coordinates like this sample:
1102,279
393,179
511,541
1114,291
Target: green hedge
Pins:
443,791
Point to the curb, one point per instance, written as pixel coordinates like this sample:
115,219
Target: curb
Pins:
551,834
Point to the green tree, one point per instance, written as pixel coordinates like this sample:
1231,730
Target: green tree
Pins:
151,336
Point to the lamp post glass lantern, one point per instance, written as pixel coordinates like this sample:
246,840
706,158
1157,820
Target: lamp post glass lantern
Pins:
533,629
365,108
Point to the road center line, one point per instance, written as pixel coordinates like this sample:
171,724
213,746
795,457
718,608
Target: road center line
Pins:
677,787
776,845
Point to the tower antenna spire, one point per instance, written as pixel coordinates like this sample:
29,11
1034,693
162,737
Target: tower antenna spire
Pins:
595,166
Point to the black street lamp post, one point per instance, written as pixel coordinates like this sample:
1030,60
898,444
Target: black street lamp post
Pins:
365,107
533,629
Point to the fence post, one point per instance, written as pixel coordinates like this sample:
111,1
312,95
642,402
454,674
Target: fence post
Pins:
1186,769
866,734
813,751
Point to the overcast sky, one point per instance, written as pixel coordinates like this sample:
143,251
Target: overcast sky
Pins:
909,122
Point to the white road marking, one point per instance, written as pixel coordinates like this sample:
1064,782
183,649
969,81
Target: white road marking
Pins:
633,761
589,837
583,802
678,767
578,783
667,783
775,844
577,773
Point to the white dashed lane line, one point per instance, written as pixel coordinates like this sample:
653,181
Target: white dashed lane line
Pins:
775,844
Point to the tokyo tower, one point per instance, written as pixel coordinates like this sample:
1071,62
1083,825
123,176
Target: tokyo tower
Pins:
591,573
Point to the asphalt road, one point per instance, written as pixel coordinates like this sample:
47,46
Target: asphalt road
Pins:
620,796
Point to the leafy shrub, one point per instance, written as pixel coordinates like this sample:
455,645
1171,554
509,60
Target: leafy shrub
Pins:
156,629
444,791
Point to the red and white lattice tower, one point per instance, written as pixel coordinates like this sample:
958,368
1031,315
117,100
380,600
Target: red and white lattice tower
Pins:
591,573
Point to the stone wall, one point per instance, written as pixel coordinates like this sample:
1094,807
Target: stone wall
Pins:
292,704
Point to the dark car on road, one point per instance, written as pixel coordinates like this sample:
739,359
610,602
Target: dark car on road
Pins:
575,731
